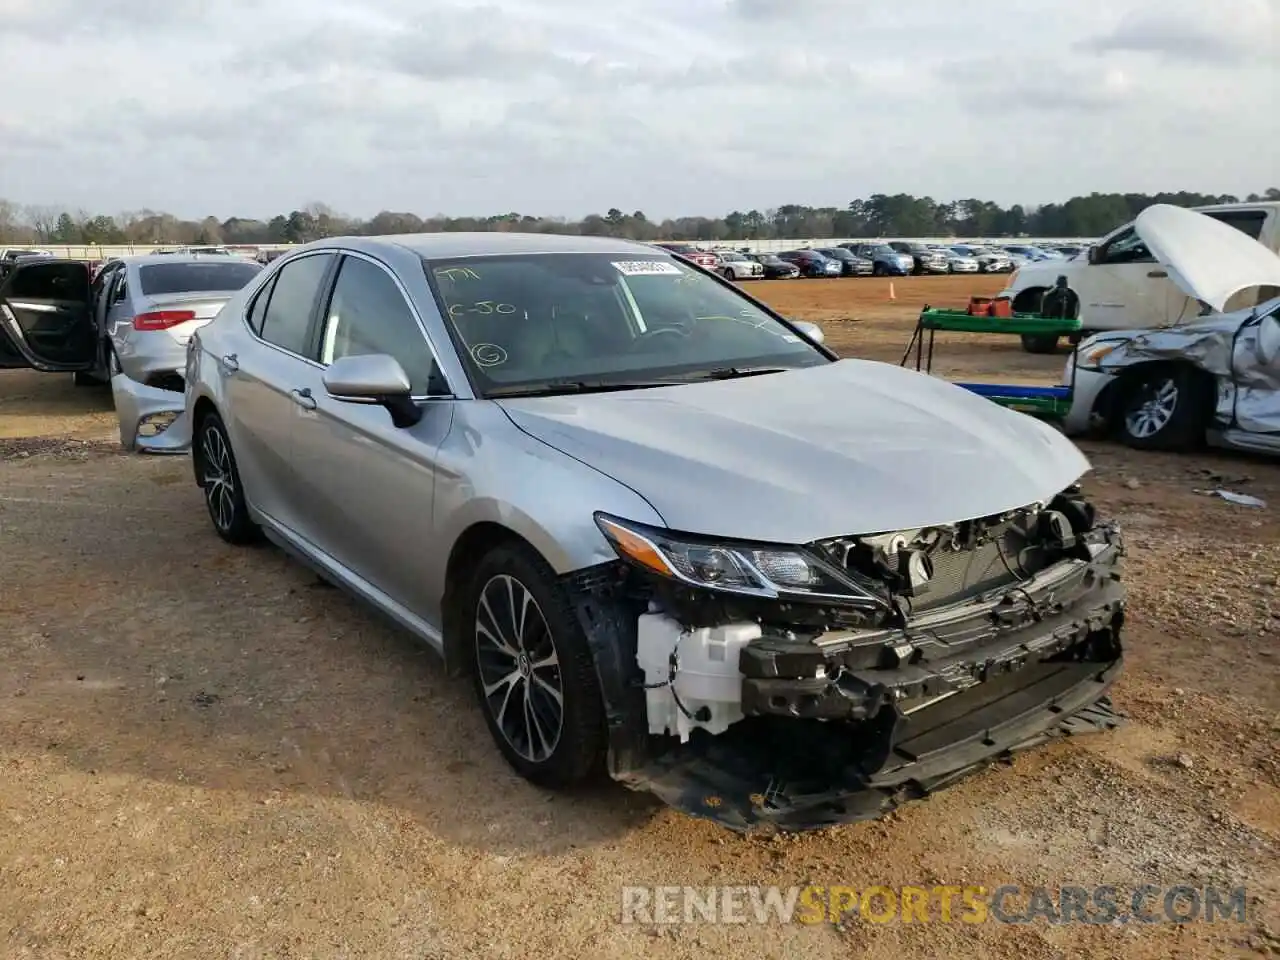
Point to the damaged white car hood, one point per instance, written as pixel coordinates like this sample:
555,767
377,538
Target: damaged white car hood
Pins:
1206,258
851,447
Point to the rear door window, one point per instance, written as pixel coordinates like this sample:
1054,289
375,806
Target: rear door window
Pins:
287,322
56,280
1248,222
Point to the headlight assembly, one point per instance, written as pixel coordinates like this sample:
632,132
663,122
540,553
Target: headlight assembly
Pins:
1089,356
758,570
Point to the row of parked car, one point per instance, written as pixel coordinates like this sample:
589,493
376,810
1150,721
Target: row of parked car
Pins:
897,258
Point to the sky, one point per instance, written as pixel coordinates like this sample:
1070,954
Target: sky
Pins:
672,107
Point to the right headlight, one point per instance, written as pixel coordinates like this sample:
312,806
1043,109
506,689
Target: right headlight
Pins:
760,570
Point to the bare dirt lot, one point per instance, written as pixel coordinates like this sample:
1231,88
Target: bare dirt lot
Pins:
205,753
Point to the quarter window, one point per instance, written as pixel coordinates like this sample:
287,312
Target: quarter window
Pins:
287,322
259,308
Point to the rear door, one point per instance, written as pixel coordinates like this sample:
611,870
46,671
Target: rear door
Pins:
46,317
259,381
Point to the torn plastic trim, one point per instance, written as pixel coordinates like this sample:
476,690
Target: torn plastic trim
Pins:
151,420
708,778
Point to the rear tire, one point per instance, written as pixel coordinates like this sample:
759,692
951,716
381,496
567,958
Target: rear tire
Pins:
220,480
1039,343
530,656
1164,408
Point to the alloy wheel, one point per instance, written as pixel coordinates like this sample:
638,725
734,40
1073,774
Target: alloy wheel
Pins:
219,478
1155,411
519,668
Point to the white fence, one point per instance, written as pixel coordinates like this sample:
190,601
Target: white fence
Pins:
96,252
92,251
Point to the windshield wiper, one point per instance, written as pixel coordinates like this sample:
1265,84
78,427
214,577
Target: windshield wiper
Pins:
553,387
733,373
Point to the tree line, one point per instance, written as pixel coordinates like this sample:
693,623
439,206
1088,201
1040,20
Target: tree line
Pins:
879,215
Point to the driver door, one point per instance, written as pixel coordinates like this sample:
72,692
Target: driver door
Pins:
46,317
1126,286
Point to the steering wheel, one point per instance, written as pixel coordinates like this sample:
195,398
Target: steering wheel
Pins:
681,331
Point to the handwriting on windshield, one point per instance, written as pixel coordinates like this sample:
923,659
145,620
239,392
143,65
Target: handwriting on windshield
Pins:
482,307
488,355
457,273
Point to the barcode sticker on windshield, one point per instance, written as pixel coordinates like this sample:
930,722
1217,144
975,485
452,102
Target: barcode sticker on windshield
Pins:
646,268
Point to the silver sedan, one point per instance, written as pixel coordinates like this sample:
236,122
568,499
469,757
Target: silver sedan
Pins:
149,306
664,529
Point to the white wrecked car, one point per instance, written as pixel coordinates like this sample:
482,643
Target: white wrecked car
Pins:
1122,284
1215,378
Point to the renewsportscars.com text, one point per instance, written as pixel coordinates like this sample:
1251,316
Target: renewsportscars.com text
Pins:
934,904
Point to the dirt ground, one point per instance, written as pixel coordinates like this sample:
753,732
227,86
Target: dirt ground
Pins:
205,753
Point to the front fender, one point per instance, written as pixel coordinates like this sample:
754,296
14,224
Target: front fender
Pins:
493,472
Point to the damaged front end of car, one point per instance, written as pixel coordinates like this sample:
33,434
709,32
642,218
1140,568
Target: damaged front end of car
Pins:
792,688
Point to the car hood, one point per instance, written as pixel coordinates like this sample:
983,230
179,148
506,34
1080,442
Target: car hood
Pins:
1208,259
850,447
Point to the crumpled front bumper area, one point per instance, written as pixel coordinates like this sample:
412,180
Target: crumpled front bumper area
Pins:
848,728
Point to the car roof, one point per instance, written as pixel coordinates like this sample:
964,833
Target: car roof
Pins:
491,244
146,259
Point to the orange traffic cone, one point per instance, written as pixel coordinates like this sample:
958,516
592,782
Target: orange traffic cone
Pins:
892,295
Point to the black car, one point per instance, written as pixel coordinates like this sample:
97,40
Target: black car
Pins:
851,265
926,258
775,269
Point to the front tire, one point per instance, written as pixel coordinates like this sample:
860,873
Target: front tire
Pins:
220,481
1164,408
534,673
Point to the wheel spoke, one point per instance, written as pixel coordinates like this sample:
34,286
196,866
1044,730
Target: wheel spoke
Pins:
495,636
548,689
516,657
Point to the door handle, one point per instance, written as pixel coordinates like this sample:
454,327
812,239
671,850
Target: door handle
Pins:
230,363
1157,273
303,398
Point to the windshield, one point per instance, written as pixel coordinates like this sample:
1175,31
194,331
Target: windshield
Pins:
222,275
533,321
882,248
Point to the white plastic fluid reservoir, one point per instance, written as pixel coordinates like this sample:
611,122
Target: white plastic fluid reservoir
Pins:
707,681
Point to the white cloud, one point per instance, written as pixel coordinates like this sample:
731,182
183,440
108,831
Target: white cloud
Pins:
670,106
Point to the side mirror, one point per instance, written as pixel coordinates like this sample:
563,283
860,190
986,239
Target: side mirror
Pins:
810,331
375,378
1092,255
